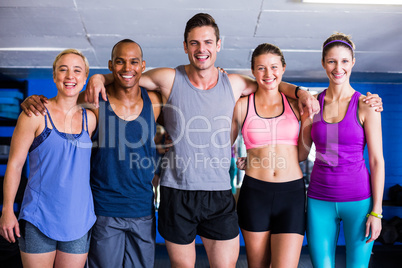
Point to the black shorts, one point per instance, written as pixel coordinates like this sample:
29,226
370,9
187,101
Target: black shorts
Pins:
276,207
184,214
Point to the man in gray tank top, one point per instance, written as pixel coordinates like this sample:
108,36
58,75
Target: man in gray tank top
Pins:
198,103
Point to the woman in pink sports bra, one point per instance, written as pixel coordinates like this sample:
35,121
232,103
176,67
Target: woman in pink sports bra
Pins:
271,205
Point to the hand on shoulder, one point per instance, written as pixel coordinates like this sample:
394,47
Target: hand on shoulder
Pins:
373,100
367,110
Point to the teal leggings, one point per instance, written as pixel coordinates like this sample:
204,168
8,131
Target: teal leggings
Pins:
232,173
323,223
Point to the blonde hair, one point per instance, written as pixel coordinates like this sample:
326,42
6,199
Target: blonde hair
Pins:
71,51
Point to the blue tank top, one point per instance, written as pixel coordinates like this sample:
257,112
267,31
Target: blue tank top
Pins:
123,162
58,198
339,173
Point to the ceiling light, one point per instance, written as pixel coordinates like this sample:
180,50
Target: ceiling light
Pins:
364,2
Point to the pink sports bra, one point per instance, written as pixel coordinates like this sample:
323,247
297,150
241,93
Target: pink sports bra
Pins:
258,131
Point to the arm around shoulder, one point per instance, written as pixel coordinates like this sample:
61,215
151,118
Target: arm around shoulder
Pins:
34,104
242,85
305,141
96,85
156,100
159,79
239,115
92,122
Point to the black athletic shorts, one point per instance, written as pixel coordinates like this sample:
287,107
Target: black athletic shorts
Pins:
276,207
184,214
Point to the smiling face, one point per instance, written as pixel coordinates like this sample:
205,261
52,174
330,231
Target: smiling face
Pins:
338,64
69,74
202,47
126,64
268,71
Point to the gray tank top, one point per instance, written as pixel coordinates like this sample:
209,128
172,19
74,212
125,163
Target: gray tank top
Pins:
199,123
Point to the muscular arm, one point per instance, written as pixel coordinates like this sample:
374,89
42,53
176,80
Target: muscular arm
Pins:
243,85
238,116
156,100
158,79
92,122
235,126
96,85
305,141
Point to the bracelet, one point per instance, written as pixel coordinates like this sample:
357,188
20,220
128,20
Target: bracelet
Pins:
374,214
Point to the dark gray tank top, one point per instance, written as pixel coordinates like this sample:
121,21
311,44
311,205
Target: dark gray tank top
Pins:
199,122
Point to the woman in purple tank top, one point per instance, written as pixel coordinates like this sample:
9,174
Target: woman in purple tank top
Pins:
341,188
59,174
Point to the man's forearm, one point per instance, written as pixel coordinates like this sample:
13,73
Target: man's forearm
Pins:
288,89
107,79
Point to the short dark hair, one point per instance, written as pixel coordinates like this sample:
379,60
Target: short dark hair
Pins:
199,20
267,48
125,41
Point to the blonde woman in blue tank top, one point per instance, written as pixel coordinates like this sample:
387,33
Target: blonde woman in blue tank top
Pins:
57,211
341,188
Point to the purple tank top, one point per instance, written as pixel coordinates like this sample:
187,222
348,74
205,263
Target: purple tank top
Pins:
339,173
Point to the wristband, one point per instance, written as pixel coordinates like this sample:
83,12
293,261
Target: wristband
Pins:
296,90
299,88
374,214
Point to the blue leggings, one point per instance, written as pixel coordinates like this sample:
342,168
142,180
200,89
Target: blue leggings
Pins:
232,173
323,223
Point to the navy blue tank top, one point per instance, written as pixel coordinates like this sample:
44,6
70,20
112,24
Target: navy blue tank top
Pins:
123,162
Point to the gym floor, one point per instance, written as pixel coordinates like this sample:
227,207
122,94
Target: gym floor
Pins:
382,257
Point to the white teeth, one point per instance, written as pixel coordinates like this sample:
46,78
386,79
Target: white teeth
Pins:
202,57
69,84
127,76
269,80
